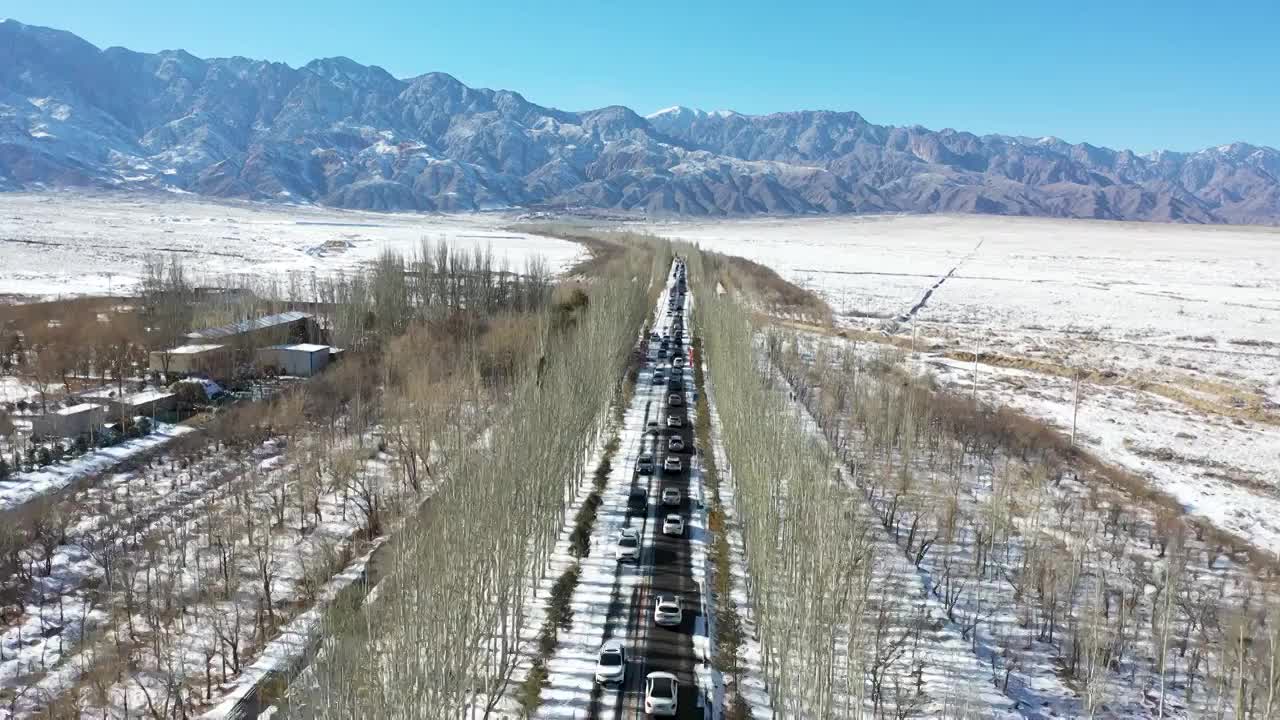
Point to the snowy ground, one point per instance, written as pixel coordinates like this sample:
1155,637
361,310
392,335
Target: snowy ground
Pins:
1176,327
14,389
65,243
752,685
1217,468
163,528
1226,470
1134,296
24,487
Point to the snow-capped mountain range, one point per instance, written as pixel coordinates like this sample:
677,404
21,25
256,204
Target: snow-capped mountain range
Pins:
339,133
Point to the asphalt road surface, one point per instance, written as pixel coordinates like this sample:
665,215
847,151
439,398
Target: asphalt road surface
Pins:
665,564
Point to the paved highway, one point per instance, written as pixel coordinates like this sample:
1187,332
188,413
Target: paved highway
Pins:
666,562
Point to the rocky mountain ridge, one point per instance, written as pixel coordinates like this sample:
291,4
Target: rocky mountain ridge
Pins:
339,133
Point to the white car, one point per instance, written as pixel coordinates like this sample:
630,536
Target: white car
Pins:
672,464
628,546
667,612
677,361
675,400
611,664
675,421
673,525
675,444
671,496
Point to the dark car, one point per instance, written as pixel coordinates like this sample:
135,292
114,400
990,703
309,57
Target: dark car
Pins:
638,499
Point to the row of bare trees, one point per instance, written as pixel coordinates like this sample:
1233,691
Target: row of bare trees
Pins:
443,633
58,346
838,636
1073,593
205,554
367,307
1087,592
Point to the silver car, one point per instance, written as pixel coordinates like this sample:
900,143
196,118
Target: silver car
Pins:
644,465
611,663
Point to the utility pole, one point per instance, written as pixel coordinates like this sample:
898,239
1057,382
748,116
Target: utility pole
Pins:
856,363
912,372
913,345
975,370
1075,410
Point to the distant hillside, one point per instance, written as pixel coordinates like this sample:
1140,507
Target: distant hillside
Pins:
343,134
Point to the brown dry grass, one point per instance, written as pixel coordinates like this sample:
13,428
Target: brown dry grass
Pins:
765,289
1227,400
28,315
602,247
1234,404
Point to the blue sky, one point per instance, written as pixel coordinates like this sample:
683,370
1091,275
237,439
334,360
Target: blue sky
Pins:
1144,75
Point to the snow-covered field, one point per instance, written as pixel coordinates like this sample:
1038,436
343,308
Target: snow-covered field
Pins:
24,487
1133,296
13,389
168,531
1224,470
65,243
1176,329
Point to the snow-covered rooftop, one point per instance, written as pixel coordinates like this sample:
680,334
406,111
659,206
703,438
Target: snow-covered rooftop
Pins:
298,347
194,349
145,396
76,409
245,326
